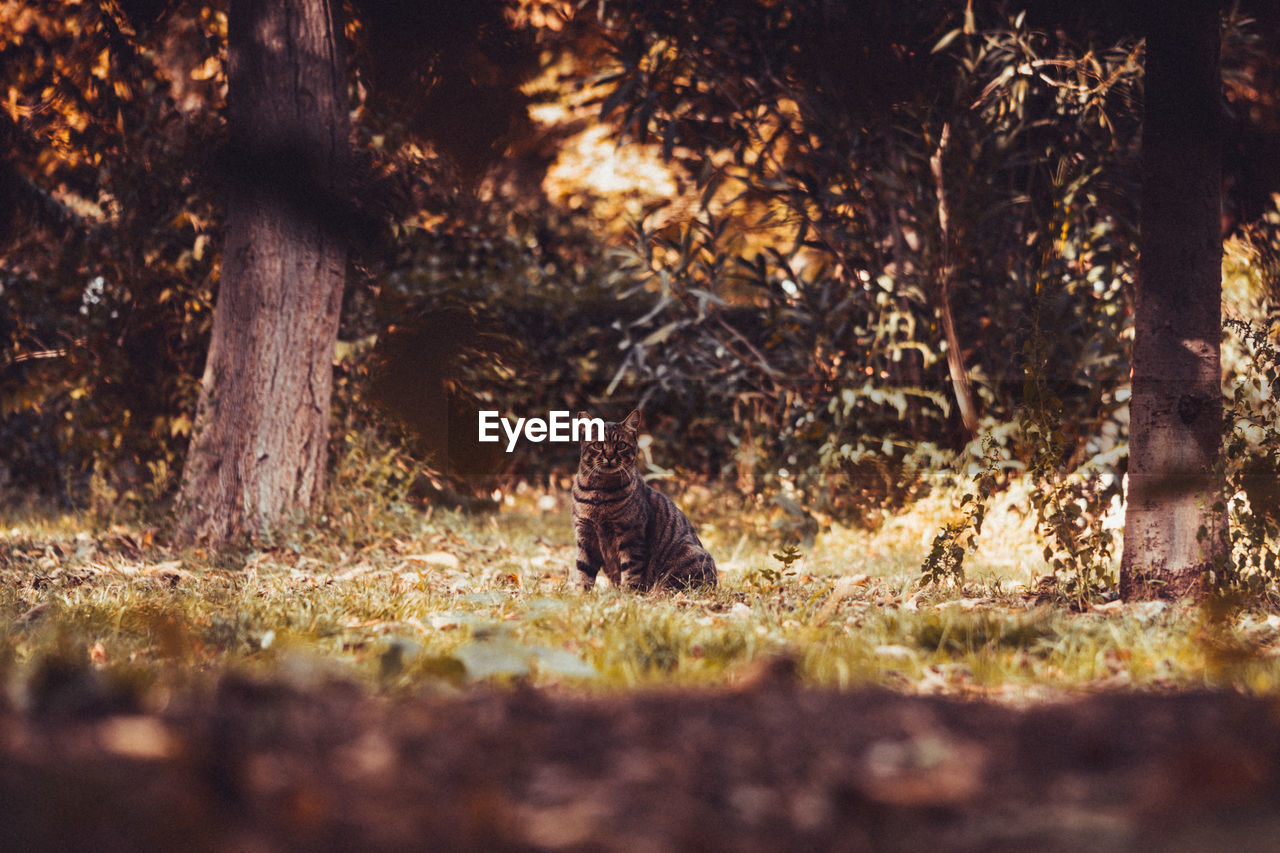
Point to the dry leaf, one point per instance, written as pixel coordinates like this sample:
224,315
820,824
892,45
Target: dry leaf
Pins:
844,588
136,737
33,614
435,558
926,770
170,571
898,653
964,603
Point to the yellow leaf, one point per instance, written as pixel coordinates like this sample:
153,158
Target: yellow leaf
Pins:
208,70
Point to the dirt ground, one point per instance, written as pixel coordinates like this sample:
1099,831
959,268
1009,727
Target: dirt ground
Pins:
769,767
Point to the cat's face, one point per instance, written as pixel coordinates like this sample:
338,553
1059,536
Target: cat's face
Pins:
617,450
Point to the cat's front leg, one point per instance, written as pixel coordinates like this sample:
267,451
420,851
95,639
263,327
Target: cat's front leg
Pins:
589,555
633,564
587,565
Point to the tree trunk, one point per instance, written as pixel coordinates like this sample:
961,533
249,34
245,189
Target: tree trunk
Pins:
1175,522
946,275
260,444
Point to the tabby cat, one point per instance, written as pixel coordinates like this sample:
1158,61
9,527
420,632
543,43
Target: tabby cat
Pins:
625,526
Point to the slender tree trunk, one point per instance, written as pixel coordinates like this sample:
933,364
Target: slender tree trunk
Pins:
946,275
259,448
1175,523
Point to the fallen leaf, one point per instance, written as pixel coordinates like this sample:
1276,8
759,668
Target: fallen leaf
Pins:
894,652
170,571
354,572
562,663
574,825
490,597
926,770
844,588
356,623
499,657
33,614
369,755
435,558
136,737
964,603
503,656
1145,611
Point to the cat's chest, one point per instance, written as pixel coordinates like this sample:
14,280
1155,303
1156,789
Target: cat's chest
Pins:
611,522
608,506
615,528
610,526
616,541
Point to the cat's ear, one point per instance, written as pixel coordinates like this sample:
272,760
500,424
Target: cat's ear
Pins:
583,416
632,421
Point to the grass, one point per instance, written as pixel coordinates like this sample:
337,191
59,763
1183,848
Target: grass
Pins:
403,601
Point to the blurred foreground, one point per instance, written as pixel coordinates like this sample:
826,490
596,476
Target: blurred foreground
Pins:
264,767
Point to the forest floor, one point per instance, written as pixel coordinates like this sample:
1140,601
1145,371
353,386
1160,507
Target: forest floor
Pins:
389,680
260,766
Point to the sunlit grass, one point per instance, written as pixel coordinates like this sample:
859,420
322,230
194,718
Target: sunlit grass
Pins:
404,601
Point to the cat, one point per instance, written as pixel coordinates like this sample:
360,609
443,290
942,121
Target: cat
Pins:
624,526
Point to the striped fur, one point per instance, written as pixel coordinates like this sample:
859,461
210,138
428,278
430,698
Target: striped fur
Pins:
628,528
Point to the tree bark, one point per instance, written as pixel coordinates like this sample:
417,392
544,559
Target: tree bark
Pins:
946,275
259,448
1175,521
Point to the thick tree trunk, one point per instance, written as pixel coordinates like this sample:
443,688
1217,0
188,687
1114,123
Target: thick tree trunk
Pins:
1175,523
260,444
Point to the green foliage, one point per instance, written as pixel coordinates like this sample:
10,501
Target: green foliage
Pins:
772,577
945,561
1075,480
1251,426
483,310
788,555
804,295
1070,510
110,246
